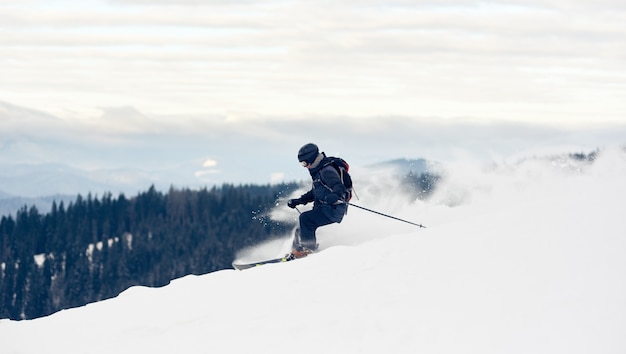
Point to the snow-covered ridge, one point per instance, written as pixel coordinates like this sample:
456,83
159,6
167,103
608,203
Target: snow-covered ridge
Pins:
529,259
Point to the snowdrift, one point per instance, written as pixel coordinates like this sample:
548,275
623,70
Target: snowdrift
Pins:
522,257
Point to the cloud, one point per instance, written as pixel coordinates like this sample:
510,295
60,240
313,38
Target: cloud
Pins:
277,177
209,163
525,60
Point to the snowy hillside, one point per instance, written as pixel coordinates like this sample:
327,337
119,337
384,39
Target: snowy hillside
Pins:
520,258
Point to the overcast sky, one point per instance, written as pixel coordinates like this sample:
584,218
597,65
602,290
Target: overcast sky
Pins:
282,73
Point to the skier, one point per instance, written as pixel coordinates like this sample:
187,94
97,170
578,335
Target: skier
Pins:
327,194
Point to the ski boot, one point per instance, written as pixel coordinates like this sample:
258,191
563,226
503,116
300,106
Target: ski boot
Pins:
301,251
301,248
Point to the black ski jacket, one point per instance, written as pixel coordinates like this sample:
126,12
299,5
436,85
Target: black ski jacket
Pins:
326,180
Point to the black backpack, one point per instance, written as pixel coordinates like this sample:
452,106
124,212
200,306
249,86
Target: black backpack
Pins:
342,168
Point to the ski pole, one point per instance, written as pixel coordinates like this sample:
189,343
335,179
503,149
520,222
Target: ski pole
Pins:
389,216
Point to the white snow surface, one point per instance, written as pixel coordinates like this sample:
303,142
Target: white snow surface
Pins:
520,257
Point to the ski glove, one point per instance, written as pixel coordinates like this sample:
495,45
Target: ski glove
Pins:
292,203
331,198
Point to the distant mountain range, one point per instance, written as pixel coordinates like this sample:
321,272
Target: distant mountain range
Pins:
49,182
404,166
10,205
40,184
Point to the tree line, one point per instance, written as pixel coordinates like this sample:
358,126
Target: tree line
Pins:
94,248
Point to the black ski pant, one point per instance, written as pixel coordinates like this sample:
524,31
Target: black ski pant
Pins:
309,222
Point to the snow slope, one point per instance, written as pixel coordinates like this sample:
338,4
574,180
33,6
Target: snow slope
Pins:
529,259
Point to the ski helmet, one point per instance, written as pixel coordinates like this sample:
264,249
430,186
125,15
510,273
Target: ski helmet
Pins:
308,153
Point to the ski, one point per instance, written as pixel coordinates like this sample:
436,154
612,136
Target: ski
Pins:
286,258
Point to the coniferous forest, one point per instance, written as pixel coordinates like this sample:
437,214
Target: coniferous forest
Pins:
94,248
